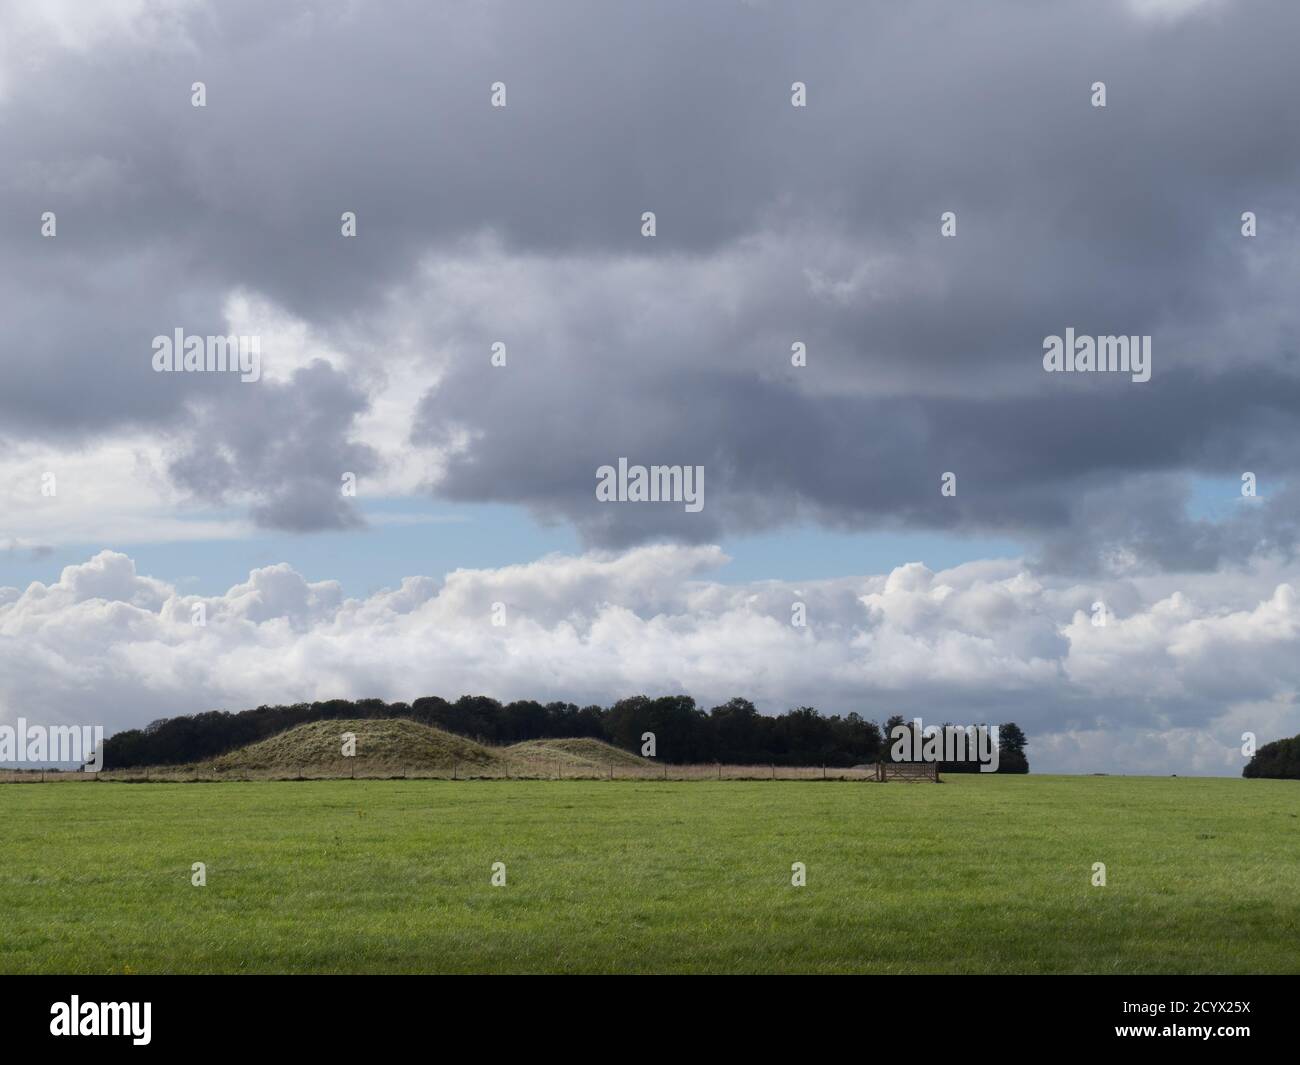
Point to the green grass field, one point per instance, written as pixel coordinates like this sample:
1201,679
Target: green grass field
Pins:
979,874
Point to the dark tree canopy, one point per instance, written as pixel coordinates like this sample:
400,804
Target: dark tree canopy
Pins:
1278,760
734,733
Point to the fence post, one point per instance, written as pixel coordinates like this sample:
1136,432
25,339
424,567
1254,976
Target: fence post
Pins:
773,770
611,770
823,771
454,765
719,770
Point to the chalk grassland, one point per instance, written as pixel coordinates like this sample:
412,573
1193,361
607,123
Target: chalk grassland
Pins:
979,874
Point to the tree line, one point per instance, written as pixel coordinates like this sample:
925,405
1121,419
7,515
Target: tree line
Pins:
1279,760
734,733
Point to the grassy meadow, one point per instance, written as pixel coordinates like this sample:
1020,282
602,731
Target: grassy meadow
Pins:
978,874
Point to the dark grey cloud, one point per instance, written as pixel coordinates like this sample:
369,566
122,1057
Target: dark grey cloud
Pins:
281,444
775,224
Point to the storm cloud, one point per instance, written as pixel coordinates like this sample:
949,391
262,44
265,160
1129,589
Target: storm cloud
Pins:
776,225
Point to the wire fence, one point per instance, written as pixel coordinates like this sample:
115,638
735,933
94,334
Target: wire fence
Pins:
360,769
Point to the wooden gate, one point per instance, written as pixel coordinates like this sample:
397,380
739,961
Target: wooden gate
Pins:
907,771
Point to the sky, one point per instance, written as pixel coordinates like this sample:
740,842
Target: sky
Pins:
968,536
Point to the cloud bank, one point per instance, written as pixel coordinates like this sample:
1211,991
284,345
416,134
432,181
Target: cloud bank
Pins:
1167,684
776,225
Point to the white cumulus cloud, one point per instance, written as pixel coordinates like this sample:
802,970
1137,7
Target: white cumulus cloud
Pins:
1168,684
